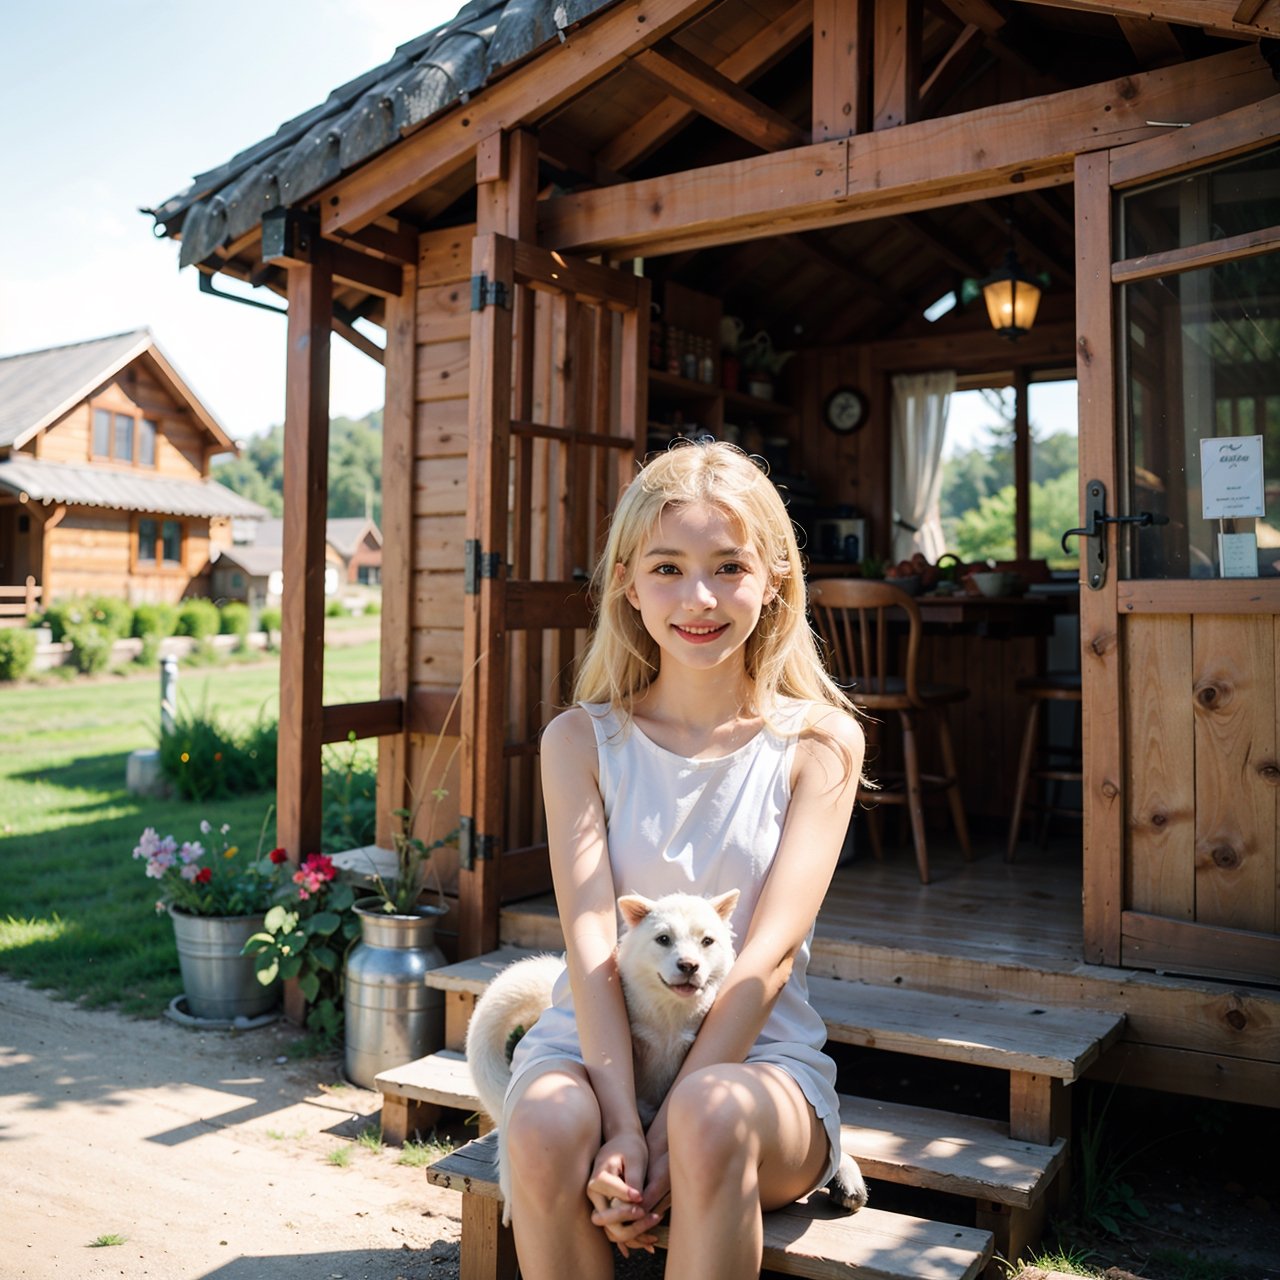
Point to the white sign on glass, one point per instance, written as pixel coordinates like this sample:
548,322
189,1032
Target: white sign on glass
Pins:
1231,477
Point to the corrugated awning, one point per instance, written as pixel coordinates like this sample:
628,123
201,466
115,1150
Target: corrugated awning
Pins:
121,490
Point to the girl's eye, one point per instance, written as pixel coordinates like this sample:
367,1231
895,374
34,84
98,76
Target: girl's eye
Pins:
666,570
733,567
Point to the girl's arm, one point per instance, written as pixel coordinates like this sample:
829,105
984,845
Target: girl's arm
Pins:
585,900
828,765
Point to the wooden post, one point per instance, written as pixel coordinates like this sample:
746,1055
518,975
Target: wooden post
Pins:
841,60
896,89
397,542
306,450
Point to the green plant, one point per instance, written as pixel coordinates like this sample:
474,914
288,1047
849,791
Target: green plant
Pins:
90,647
148,651
335,609
370,1138
113,615
61,615
350,796
1106,1198
234,620
211,881
17,652
269,621
198,619
373,606
205,760
417,1155
157,620
340,1157
105,1241
306,937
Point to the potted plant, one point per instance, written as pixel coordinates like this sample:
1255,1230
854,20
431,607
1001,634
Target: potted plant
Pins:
216,896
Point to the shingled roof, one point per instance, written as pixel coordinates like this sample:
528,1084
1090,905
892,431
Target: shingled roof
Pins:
362,118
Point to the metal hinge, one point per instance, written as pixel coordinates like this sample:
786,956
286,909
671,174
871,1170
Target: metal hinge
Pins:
477,564
473,848
488,293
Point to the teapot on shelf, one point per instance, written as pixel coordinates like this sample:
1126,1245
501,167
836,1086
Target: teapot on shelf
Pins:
730,333
758,355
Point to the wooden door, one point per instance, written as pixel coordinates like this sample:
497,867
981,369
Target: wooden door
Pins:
557,423
1178,278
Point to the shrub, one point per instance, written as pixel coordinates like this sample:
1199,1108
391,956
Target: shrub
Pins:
373,606
234,619
158,620
17,652
149,652
62,615
90,647
335,609
204,760
198,619
350,794
113,615
269,621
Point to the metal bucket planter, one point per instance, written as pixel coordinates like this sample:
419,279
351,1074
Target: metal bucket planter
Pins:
218,982
391,1015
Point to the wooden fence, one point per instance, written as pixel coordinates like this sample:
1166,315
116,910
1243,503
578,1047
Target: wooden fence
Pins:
19,603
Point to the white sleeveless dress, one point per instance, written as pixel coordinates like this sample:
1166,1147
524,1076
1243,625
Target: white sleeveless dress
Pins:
677,825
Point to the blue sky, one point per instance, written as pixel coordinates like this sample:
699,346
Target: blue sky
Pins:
106,107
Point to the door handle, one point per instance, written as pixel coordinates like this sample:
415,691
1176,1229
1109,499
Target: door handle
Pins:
1096,501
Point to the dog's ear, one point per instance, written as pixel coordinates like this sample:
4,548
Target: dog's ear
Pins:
725,904
634,908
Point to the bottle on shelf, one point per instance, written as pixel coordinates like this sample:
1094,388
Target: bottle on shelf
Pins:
706,363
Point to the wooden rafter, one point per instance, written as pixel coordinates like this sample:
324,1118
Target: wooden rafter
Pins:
992,23
526,96
1153,43
960,58
816,247
972,155
919,228
1219,17
1033,253
671,115
841,68
895,83
716,97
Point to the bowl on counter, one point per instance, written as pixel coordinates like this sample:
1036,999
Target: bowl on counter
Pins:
992,583
910,583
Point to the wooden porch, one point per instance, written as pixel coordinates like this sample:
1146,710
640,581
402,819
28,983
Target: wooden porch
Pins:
989,929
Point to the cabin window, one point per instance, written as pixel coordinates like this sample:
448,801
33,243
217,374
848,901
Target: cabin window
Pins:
146,541
147,442
101,433
171,543
980,497
1200,449
122,443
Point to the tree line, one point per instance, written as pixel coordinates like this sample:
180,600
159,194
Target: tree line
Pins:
355,468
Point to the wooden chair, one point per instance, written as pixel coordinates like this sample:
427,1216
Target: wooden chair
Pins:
872,630
1057,765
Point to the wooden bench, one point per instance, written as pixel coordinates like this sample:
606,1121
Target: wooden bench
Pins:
812,1237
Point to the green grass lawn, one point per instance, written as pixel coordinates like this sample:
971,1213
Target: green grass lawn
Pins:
77,914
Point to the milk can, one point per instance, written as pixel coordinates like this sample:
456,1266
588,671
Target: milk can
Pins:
391,1015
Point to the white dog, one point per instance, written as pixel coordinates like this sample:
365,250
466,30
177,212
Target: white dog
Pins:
672,957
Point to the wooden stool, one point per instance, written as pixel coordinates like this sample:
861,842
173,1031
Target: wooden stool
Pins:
1050,686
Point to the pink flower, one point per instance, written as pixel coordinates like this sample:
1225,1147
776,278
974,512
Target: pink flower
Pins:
314,874
191,851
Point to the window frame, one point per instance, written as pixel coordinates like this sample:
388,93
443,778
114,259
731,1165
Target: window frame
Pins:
115,416
156,562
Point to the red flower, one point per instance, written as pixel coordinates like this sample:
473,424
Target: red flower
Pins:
278,856
204,875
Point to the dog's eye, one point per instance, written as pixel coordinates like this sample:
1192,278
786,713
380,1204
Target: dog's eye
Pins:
663,939
708,942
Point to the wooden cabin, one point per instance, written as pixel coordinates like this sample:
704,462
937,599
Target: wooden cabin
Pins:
104,477
516,197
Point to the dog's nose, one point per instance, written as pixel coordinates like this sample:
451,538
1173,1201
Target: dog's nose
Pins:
687,967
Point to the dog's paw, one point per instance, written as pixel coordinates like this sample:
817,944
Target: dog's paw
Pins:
847,1188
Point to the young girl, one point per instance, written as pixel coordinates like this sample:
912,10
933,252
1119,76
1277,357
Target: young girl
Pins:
708,751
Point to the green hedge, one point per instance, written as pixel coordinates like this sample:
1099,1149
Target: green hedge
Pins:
90,647
113,615
17,652
234,619
198,619
158,620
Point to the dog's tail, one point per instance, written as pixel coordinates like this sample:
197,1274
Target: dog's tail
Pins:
510,1005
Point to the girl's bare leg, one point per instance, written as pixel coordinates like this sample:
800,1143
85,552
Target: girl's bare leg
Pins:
552,1136
743,1140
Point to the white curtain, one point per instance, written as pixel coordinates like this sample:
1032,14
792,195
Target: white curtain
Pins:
920,402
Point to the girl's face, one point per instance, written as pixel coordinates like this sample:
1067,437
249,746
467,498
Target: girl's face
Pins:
699,585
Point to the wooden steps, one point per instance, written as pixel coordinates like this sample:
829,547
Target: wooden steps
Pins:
812,1237
913,1146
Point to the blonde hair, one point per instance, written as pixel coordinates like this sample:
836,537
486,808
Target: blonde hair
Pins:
621,659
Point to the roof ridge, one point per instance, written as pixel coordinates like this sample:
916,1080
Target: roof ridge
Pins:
142,331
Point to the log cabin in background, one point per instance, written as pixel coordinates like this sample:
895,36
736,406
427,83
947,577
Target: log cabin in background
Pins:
104,477
510,196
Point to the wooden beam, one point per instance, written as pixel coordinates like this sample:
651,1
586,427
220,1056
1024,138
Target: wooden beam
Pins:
1218,17
895,84
376,719
963,55
305,465
363,344
397,243
757,55
526,96
716,97
841,68
1017,146
1153,43
980,13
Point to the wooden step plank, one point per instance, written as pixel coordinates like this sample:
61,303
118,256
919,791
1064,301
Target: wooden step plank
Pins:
895,1142
1046,1040
812,1237
442,1078
960,1155
472,976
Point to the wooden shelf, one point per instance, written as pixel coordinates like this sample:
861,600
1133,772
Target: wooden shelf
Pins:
668,387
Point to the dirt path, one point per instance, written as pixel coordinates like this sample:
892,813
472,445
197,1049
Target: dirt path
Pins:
206,1151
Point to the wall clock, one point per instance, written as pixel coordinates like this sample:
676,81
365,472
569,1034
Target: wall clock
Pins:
845,410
